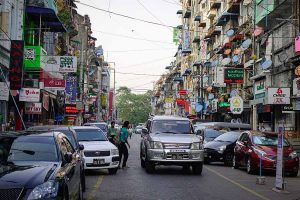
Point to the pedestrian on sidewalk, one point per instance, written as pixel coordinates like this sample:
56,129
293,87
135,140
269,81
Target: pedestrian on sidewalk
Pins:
123,150
112,132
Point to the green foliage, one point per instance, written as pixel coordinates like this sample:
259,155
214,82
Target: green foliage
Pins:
133,107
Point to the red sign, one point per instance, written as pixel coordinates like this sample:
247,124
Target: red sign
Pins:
33,108
182,92
180,102
54,83
71,109
16,64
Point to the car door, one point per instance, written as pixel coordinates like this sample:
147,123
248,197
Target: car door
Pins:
239,148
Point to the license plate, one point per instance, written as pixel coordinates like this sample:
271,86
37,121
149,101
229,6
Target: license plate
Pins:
98,161
177,157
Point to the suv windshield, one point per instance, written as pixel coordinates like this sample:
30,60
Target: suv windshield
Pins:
90,135
268,140
33,148
172,126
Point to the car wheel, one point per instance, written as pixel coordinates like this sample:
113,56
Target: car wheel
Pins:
112,170
228,159
143,165
234,163
250,169
197,168
150,167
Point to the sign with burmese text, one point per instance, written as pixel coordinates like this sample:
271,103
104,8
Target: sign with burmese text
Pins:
16,64
33,108
233,75
29,95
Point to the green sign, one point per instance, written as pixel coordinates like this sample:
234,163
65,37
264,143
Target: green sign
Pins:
233,75
224,104
175,35
32,57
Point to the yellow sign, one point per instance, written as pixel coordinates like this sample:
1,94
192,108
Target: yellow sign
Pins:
169,99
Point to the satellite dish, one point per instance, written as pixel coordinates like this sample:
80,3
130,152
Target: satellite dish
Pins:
266,64
211,96
246,44
236,58
229,33
226,61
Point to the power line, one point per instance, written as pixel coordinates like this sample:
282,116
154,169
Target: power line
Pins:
126,16
137,74
174,2
148,11
138,50
147,62
135,38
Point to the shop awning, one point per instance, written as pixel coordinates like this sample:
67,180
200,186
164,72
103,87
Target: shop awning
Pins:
48,17
225,16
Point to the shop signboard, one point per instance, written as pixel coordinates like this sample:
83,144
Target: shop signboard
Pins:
46,101
233,75
32,57
4,91
70,96
71,110
33,108
29,95
52,83
236,105
63,64
203,53
16,64
260,89
278,96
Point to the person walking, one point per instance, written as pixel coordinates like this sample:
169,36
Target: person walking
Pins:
123,150
112,132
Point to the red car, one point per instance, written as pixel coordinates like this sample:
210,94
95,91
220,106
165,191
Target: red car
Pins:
252,144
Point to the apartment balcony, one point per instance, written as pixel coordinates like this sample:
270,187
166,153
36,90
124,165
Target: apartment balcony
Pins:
211,13
196,39
215,4
225,17
197,18
179,12
187,13
214,30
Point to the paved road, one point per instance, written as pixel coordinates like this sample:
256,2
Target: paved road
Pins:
216,183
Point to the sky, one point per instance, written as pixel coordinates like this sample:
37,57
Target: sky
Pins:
150,53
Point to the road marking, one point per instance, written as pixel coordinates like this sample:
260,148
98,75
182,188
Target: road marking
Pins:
237,184
95,188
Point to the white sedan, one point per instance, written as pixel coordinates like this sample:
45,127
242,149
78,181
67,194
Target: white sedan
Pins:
98,152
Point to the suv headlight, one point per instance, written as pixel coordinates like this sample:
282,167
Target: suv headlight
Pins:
48,189
114,152
196,146
293,155
156,145
222,148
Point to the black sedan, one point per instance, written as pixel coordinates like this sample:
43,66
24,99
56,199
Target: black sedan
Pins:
221,148
39,166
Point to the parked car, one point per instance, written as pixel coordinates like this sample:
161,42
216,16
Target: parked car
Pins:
252,145
139,129
226,126
102,125
39,166
98,152
70,133
169,140
221,148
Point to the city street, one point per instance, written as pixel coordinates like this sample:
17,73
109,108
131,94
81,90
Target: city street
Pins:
216,182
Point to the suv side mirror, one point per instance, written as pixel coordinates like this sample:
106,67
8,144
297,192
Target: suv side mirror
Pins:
68,157
145,131
81,147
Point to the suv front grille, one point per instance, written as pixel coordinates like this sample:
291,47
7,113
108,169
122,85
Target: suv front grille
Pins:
177,146
96,153
10,194
177,156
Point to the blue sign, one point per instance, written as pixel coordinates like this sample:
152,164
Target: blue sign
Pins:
59,118
71,84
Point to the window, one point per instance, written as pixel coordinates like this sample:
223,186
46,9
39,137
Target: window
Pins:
68,145
70,136
243,137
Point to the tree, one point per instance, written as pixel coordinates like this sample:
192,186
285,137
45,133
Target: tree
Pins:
133,107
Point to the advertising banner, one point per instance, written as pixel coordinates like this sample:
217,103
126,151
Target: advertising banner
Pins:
51,83
236,105
33,108
279,96
233,75
16,64
260,89
279,173
71,83
4,91
63,64
29,95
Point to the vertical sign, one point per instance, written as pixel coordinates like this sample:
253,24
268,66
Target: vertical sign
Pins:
16,64
203,50
70,90
186,38
279,162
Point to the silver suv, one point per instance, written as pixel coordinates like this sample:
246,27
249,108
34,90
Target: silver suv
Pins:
169,140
